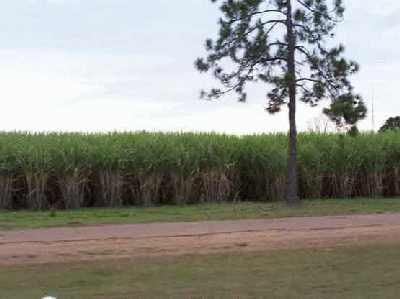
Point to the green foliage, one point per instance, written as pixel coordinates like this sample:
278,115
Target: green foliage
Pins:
254,44
346,111
48,171
392,123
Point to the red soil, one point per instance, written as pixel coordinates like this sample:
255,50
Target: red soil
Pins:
143,240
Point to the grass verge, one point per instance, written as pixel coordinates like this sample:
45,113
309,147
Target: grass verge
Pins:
359,272
31,220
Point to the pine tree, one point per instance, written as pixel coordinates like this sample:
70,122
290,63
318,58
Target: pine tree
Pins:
282,43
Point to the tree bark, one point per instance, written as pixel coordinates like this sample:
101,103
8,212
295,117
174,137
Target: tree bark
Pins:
291,184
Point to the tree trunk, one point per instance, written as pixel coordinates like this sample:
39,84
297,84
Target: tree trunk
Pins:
291,187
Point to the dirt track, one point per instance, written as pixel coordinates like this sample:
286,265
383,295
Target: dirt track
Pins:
138,240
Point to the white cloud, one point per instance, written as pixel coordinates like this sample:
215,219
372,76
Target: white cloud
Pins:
56,2
107,65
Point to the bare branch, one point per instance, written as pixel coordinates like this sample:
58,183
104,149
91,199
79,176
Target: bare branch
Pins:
256,13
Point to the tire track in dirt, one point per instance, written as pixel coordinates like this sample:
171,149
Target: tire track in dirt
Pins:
170,239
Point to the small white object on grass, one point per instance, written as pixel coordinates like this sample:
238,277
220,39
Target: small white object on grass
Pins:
49,297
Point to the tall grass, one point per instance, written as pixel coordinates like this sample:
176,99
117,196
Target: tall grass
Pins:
40,171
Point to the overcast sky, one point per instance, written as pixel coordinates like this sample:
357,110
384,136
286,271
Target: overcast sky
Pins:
104,65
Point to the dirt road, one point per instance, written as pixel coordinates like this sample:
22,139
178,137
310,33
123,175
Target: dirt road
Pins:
139,240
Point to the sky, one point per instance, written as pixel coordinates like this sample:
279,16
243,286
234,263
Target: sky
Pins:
123,65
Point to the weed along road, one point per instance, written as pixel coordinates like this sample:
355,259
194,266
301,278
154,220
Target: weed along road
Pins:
171,239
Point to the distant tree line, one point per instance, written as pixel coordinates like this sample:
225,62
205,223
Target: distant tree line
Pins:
392,123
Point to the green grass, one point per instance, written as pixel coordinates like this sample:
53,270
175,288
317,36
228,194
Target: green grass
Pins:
356,273
83,217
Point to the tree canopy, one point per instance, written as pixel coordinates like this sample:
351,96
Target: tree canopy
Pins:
253,40
346,111
392,123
